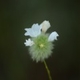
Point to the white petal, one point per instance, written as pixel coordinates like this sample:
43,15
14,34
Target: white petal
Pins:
29,42
34,31
28,32
53,36
45,25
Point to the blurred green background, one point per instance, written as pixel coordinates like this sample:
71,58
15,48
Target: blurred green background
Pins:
15,62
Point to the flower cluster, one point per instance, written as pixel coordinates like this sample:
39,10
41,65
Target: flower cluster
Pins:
40,43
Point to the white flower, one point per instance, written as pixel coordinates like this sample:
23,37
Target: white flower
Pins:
53,36
29,42
45,25
40,43
34,31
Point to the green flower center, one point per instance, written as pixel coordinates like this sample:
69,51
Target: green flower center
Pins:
41,45
42,48
41,41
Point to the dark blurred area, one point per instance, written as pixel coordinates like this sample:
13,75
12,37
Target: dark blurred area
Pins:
15,62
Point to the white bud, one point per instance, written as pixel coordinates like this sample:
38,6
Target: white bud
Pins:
53,36
45,25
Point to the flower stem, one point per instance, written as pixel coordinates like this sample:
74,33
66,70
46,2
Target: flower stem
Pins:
48,71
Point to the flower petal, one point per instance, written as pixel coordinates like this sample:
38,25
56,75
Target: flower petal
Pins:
29,42
45,25
53,36
28,32
34,31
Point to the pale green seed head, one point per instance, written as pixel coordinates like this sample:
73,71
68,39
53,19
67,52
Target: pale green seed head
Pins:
42,48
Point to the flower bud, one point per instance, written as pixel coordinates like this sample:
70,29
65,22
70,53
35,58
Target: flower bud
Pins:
45,25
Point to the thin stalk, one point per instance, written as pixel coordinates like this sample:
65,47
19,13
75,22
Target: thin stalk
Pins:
48,71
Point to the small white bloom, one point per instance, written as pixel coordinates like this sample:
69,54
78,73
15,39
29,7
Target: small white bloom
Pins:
29,42
34,31
53,36
40,43
45,25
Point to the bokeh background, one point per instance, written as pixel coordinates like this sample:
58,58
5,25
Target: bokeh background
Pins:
15,61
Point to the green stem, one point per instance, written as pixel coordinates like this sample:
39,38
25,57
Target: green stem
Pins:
48,71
